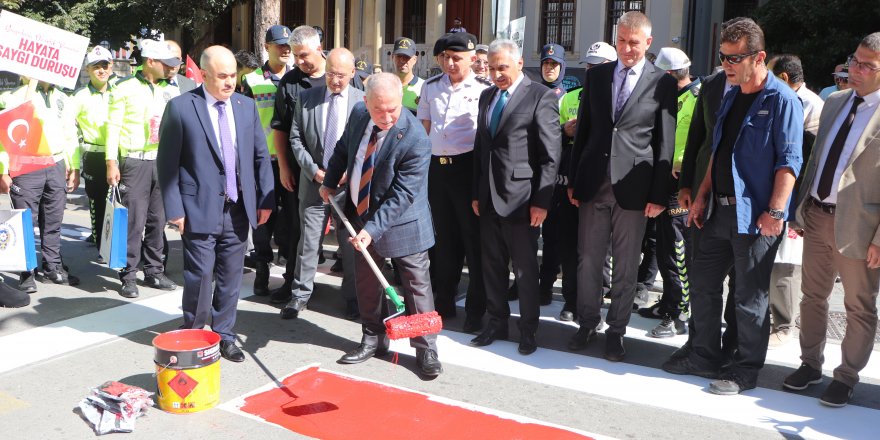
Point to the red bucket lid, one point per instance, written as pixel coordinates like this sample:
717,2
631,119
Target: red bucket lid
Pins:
186,340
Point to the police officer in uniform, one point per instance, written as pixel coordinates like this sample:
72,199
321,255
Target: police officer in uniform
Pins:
405,58
448,109
261,85
44,191
89,106
135,113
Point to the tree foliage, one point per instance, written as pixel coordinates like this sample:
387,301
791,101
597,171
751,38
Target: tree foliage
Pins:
821,32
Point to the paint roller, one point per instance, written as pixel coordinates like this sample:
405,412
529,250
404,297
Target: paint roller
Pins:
398,325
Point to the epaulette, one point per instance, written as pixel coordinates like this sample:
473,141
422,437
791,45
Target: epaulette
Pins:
433,78
695,91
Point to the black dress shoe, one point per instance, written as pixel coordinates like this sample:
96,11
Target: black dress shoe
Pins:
292,309
282,294
12,297
472,324
261,279
546,297
129,289
351,310
488,336
159,281
337,266
614,350
363,352
580,339
527,343
230,351
426,360
26,282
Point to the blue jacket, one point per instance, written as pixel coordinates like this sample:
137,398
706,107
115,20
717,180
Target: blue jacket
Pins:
771,137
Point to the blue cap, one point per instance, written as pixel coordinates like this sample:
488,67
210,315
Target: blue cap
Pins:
553,52
278,34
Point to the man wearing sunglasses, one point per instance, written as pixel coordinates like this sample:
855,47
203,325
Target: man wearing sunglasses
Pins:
741,206
841,81
841,183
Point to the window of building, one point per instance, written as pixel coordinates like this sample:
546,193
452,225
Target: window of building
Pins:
293,13
557,23
616,8
414,18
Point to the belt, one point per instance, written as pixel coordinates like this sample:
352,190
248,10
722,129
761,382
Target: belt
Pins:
448,160
827,208
726,200
93,148
142,155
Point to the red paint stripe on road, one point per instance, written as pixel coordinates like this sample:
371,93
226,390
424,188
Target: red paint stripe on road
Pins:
321,404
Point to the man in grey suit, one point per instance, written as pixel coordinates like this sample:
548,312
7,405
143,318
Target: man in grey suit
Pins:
516,157
838,211
181,81
385,154
621,163
319,119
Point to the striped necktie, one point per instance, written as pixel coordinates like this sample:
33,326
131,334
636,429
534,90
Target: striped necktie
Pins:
367,173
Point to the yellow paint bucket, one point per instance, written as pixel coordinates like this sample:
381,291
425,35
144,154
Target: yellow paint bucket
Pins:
187,370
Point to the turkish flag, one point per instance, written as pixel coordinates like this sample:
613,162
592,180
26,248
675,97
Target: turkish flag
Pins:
192,71
21,136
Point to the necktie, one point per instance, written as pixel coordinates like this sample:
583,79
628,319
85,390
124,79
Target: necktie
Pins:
228,151
833,158
330,129
496,112
367,173
622,94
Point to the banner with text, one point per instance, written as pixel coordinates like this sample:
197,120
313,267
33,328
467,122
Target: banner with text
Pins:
37,50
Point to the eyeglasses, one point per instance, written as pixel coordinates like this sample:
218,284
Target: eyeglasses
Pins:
855,64
336,75
841,80
735,59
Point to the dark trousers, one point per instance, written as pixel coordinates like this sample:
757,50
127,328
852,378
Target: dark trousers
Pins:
672,260
560,248
506,239
602,222
44,192
290,223
648,267
212,270
457,231
139,188
728,338
721,247
94,174
276,226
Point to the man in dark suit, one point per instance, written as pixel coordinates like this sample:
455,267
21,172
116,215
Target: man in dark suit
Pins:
622,160
319,119
385,154
516,156
216,182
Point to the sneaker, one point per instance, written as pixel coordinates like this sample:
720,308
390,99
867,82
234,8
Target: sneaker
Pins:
652,312
684,366
100,260
566,316
803,377
837,394
728,385
159,281
682,352
60,276
12,297
641,299
26,282
668,328
779,337
129,289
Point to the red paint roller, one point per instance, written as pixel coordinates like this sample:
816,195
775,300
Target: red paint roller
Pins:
398,325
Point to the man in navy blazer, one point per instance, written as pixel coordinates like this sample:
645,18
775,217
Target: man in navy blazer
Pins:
385,154
216,181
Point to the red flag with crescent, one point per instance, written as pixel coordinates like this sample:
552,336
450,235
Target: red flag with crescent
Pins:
21,136
192,71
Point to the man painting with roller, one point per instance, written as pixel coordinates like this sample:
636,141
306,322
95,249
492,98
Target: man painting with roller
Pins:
385,155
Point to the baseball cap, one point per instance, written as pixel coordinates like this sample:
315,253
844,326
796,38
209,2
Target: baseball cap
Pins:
671,58
98,54
404,46
460,42
482,48
160,51
553,52
599,53
278,34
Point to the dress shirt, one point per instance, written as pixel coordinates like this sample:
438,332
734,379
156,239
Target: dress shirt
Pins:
812,109
631,79
863,116
341,112
230,118
354,180
452,112
510,91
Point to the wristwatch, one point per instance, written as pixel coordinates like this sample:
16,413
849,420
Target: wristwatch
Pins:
777,214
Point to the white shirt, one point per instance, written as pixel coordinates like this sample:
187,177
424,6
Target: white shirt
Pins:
631,79
341,112
354,183
510,91
863,115
452,112
812,109
230,118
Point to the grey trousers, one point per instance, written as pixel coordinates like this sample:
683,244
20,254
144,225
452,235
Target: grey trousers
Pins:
785,293
603,223
139,188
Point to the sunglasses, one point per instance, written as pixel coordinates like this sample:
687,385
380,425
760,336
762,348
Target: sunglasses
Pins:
841,80
735,59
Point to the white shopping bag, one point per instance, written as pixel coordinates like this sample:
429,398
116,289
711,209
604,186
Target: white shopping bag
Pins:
791,250
17,247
